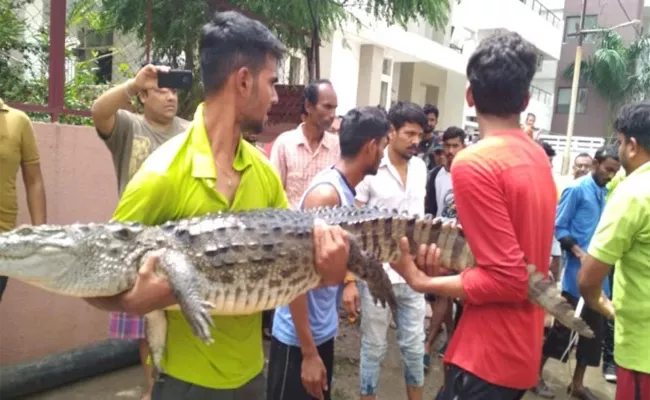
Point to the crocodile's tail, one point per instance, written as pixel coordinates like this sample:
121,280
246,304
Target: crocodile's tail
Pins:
543,292
379,231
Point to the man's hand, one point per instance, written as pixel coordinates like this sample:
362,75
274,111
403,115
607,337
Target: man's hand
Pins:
314,375
351,301
150,291
428,260
579,253
605,307
331,251
146,78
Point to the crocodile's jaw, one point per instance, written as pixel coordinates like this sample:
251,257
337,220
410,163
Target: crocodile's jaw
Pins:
64,260
41,269
28,253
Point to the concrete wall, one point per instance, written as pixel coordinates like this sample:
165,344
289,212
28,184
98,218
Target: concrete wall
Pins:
80,186
596,120
415,78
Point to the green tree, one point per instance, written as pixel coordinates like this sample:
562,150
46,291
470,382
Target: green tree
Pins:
24,65
619,72
298,23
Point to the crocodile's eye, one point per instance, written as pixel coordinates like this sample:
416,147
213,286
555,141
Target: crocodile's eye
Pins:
24,231
123,233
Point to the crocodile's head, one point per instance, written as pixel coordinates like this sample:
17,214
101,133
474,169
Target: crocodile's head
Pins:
42,252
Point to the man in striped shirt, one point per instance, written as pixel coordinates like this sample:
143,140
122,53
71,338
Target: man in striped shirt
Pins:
300,154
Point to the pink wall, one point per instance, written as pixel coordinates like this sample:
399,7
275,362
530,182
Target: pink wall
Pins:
80,187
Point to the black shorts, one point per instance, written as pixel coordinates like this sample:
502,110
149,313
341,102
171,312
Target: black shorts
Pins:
589,350
284,380
463,385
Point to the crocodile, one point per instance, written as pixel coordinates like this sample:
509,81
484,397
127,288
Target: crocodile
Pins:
236,263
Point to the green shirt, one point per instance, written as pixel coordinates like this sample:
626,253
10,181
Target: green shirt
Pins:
178,181
623,237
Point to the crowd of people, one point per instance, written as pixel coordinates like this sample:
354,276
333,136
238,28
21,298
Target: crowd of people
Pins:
501,189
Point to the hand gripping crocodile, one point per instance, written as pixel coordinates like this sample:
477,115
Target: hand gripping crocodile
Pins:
236,263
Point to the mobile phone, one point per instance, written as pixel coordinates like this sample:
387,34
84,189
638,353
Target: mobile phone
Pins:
175,79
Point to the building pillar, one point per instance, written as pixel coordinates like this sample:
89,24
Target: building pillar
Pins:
370,63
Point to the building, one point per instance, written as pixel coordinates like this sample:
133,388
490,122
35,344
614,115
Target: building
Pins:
592,113
380,64
377,64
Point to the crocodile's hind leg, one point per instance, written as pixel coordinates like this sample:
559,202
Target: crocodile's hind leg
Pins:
156,339
543,292
184,280
372,272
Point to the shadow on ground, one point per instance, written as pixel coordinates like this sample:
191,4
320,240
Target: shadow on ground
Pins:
128,383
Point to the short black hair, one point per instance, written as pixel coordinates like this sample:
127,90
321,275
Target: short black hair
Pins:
605,152
500,72
431,109
582,155
454,132
231,41
403,112
548,149
531,115
359,126
634,122
310,93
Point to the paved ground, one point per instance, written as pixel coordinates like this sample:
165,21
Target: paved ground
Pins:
127,384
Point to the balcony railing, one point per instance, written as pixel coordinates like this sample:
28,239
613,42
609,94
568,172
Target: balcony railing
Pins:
540,95
543,12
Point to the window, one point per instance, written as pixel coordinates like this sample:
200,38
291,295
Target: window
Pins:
564,100
386,67
572,25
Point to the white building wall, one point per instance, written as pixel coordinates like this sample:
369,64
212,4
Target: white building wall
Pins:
340,64
543,30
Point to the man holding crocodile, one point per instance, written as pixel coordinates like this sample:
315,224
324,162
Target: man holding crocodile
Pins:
210,168
207,169
506,199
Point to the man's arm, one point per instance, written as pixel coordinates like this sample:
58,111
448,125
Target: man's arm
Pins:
314,376
501,275
566,210
278,159
622,218
104,109
32,176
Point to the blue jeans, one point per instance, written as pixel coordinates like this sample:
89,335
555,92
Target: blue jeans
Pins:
411,310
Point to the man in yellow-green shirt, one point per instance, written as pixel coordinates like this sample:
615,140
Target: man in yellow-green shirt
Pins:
623,238
207,169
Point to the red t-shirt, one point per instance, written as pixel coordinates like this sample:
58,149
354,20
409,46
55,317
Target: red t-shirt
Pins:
505,198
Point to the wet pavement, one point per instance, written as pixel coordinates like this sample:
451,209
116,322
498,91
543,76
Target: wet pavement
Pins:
128,383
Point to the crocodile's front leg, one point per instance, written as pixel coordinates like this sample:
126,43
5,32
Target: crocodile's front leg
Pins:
184,280
156,339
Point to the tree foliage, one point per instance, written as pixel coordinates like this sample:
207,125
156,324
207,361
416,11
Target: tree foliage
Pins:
175,30
619,72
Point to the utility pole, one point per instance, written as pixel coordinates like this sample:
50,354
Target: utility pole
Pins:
576,80
574,92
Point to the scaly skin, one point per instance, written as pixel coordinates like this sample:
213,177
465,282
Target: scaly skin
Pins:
233,263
